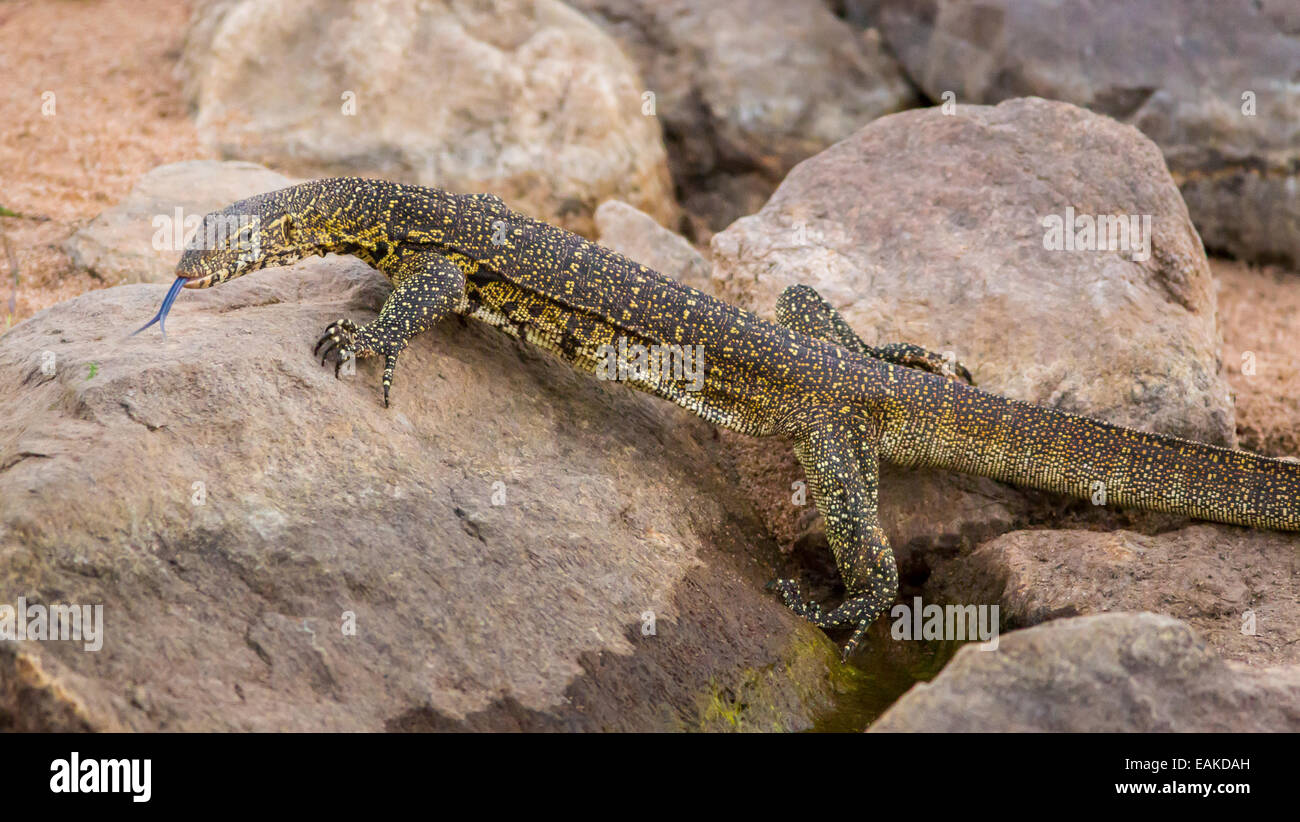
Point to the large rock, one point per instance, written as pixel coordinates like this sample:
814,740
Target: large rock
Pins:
524,98
1106,673
1235,586
1180,70
137,239
929,229
747,89
498,534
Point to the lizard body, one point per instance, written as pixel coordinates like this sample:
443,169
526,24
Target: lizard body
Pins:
846,406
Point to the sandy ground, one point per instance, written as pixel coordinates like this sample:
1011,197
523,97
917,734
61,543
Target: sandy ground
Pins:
1259,313
118,112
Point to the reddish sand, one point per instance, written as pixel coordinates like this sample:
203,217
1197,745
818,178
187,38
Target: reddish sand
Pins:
1259,312
118,112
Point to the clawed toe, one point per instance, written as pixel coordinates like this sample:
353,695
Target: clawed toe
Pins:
324,355
339,341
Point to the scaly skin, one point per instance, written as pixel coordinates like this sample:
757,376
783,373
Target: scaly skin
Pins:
845,405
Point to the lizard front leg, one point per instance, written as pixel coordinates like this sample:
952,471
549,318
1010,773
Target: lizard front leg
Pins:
428,287
800,308
844,474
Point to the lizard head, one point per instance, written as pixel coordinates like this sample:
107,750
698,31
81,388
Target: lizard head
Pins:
246,236
252,234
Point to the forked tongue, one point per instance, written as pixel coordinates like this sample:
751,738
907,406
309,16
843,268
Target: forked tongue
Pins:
166,307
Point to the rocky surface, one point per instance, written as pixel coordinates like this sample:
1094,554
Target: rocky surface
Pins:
524,98
634,234
1236,587
1105,673
137,240
1212,82
231,504
747,89
928,228
226,600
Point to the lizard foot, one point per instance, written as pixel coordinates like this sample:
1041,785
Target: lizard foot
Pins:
859,612
345,341
914,356
340,339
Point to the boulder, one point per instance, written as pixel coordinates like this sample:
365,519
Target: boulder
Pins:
929,229
512,545
524,98
747,89
1212,82
141,238
1236,587
1106,673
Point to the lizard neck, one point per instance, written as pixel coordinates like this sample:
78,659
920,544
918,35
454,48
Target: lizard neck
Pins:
370,219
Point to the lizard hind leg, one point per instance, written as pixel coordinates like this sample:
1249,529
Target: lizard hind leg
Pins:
800,308
844,473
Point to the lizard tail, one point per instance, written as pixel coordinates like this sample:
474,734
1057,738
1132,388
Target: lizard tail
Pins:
974,432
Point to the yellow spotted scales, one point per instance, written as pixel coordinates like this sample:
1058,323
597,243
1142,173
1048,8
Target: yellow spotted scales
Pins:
846,406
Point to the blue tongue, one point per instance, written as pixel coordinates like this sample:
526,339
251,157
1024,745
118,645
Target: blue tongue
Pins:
166,307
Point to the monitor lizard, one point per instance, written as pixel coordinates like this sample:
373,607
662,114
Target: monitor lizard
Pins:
846,406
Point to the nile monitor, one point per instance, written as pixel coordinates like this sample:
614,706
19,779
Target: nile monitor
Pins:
846,406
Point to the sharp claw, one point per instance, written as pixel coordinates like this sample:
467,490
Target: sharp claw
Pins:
325,355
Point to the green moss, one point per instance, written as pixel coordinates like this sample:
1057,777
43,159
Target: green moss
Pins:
810,689
785,696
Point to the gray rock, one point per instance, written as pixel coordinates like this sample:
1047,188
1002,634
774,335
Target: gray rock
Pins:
1234,586
234,507
747,89
634,234
524,98
1176,69
929,229
136,241
1105,673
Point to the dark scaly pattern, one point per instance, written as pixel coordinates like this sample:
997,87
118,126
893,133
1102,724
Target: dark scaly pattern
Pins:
845,405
